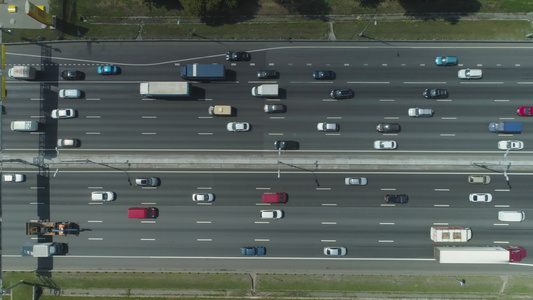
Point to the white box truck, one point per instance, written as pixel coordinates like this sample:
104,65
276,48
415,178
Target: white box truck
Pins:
165,89
24,125
479,255
450,234
266,90
42,249
22,72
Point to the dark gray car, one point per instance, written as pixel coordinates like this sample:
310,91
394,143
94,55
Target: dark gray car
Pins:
388,127
435,93
267,74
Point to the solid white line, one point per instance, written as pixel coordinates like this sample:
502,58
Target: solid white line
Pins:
203,222
497,224
524,82
262,240
323,189
441,205
328,241
329,223
442,190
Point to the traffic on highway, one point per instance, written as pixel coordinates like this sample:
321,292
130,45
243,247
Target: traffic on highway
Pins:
297,151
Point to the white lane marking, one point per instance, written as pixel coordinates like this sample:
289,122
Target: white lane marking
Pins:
421,82
388,189
274,133
525,82
328,241
449,118
204,240
329,204
385,223
96,203
387,204
501,242
263,204
441,205
95,187
36,203
205,133
390,134
205,117
261,222
329,223
482,83
92,117
500,224
147,99
502,190
95,133
334,118
502,205
204,188
95,221
147,239
262,188
332,134
391,118
444,100
262,240
147,222
447,134
440,223
95,239
92,99
148,133
370,82
323,189
277,118
148,188
442,190
385,241
36,99
149,117
387,100
203,222
315,82
37,187
204,203
148,203
506,118
501,100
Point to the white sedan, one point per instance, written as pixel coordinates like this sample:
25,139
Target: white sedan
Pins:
385,145
14,178
470,74
272,214
510,145
238,126
328,127
63,113
335,251
355,181
480,197
68,143
204,197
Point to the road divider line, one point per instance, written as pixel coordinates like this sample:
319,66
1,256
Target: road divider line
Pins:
329,204
92,117
205,117
323,189
329,223
505,134
387,100
147,222
422,82
483,83
92,99
391,118
204,203
263,204
93,133
387,204
502,190
204,240
203,222
332,134
500,224
369,82
449,118
277,118
36,99
205,133
94,221
149,117
447,134
262,240
147,239
204,188
441,224
524,82
385,223
502,205
261,222
36,203
263,188
148,133
148,99
442,190
390,134
506,119
444,100
275,133
95,239
328,241
501,242
501,100
388,189
385,241
37,187
441,205
96,203
334,118
95,187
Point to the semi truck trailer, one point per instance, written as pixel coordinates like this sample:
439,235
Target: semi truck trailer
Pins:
450,234
479,255
505,127
203,72
165,89
42,249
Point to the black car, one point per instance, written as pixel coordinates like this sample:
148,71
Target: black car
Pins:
238,56
72,75
388,127
401,198
322,75
275,108
435,93
267,74
286,145
341,94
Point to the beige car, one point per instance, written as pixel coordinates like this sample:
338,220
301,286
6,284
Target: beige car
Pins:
479,179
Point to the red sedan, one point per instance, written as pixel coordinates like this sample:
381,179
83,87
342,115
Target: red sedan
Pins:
525,111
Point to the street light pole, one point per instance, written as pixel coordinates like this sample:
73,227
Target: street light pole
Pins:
369,22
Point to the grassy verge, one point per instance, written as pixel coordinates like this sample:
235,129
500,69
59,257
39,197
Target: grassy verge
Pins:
107,286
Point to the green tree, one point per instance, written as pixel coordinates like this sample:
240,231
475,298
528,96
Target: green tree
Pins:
210,7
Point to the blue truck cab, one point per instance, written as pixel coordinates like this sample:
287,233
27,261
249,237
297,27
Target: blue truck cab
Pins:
253,251
505,127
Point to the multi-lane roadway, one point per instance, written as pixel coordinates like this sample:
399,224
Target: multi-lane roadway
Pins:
115,124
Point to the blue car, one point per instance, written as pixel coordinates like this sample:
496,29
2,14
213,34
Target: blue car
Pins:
446,61
107,70
253,251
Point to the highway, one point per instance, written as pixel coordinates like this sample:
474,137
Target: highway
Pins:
150,137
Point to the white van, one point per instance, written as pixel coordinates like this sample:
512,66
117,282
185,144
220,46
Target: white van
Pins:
511,215
24,125
70,94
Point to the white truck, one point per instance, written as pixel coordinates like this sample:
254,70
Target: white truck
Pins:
42,249
266,90
24,125
165,89
220,110
479,255
450,234
22,72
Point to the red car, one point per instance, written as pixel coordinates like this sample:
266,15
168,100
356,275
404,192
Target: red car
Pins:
525,111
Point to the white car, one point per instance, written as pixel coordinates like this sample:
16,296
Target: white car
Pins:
272,214
510,145
63,113
68,143
470,74
335,251
238,126
14,178
103,196
328,127
355,181
385,145
70,94
204,197
480,197
420,112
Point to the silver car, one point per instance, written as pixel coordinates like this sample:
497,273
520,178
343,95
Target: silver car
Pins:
14,178
385,145
70,94
238,126
327,127
152,181
68,143
479,179
335,251
66,113
271,214
103,196
480,197
355,181
203,197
